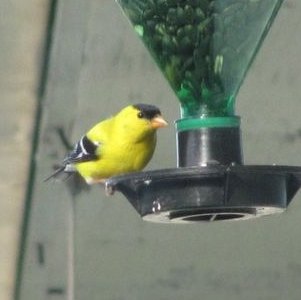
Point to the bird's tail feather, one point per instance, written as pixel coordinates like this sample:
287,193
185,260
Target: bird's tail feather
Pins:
56,173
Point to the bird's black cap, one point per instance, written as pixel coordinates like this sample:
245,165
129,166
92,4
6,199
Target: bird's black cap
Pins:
147,111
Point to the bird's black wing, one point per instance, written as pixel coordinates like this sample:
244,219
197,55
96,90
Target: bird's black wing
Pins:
84,150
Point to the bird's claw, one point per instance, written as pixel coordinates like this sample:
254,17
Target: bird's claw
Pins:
109,190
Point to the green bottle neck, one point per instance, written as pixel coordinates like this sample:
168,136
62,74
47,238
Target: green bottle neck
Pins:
209,122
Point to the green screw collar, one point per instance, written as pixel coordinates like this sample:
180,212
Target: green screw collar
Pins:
211,122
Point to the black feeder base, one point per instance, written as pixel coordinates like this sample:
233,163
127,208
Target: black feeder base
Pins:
210,183
212,193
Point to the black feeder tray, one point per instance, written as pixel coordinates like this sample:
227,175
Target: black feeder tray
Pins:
210,183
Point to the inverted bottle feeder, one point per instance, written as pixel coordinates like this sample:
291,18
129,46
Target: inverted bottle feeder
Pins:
204,49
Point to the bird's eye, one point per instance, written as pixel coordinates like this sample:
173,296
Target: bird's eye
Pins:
140,115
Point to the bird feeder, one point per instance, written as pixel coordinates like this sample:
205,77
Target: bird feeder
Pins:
204,48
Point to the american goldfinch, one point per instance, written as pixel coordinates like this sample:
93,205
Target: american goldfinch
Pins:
121,144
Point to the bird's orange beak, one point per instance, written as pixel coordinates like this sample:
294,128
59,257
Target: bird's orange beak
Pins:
158,122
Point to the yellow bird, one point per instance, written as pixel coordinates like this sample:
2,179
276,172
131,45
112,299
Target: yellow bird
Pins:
121,144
